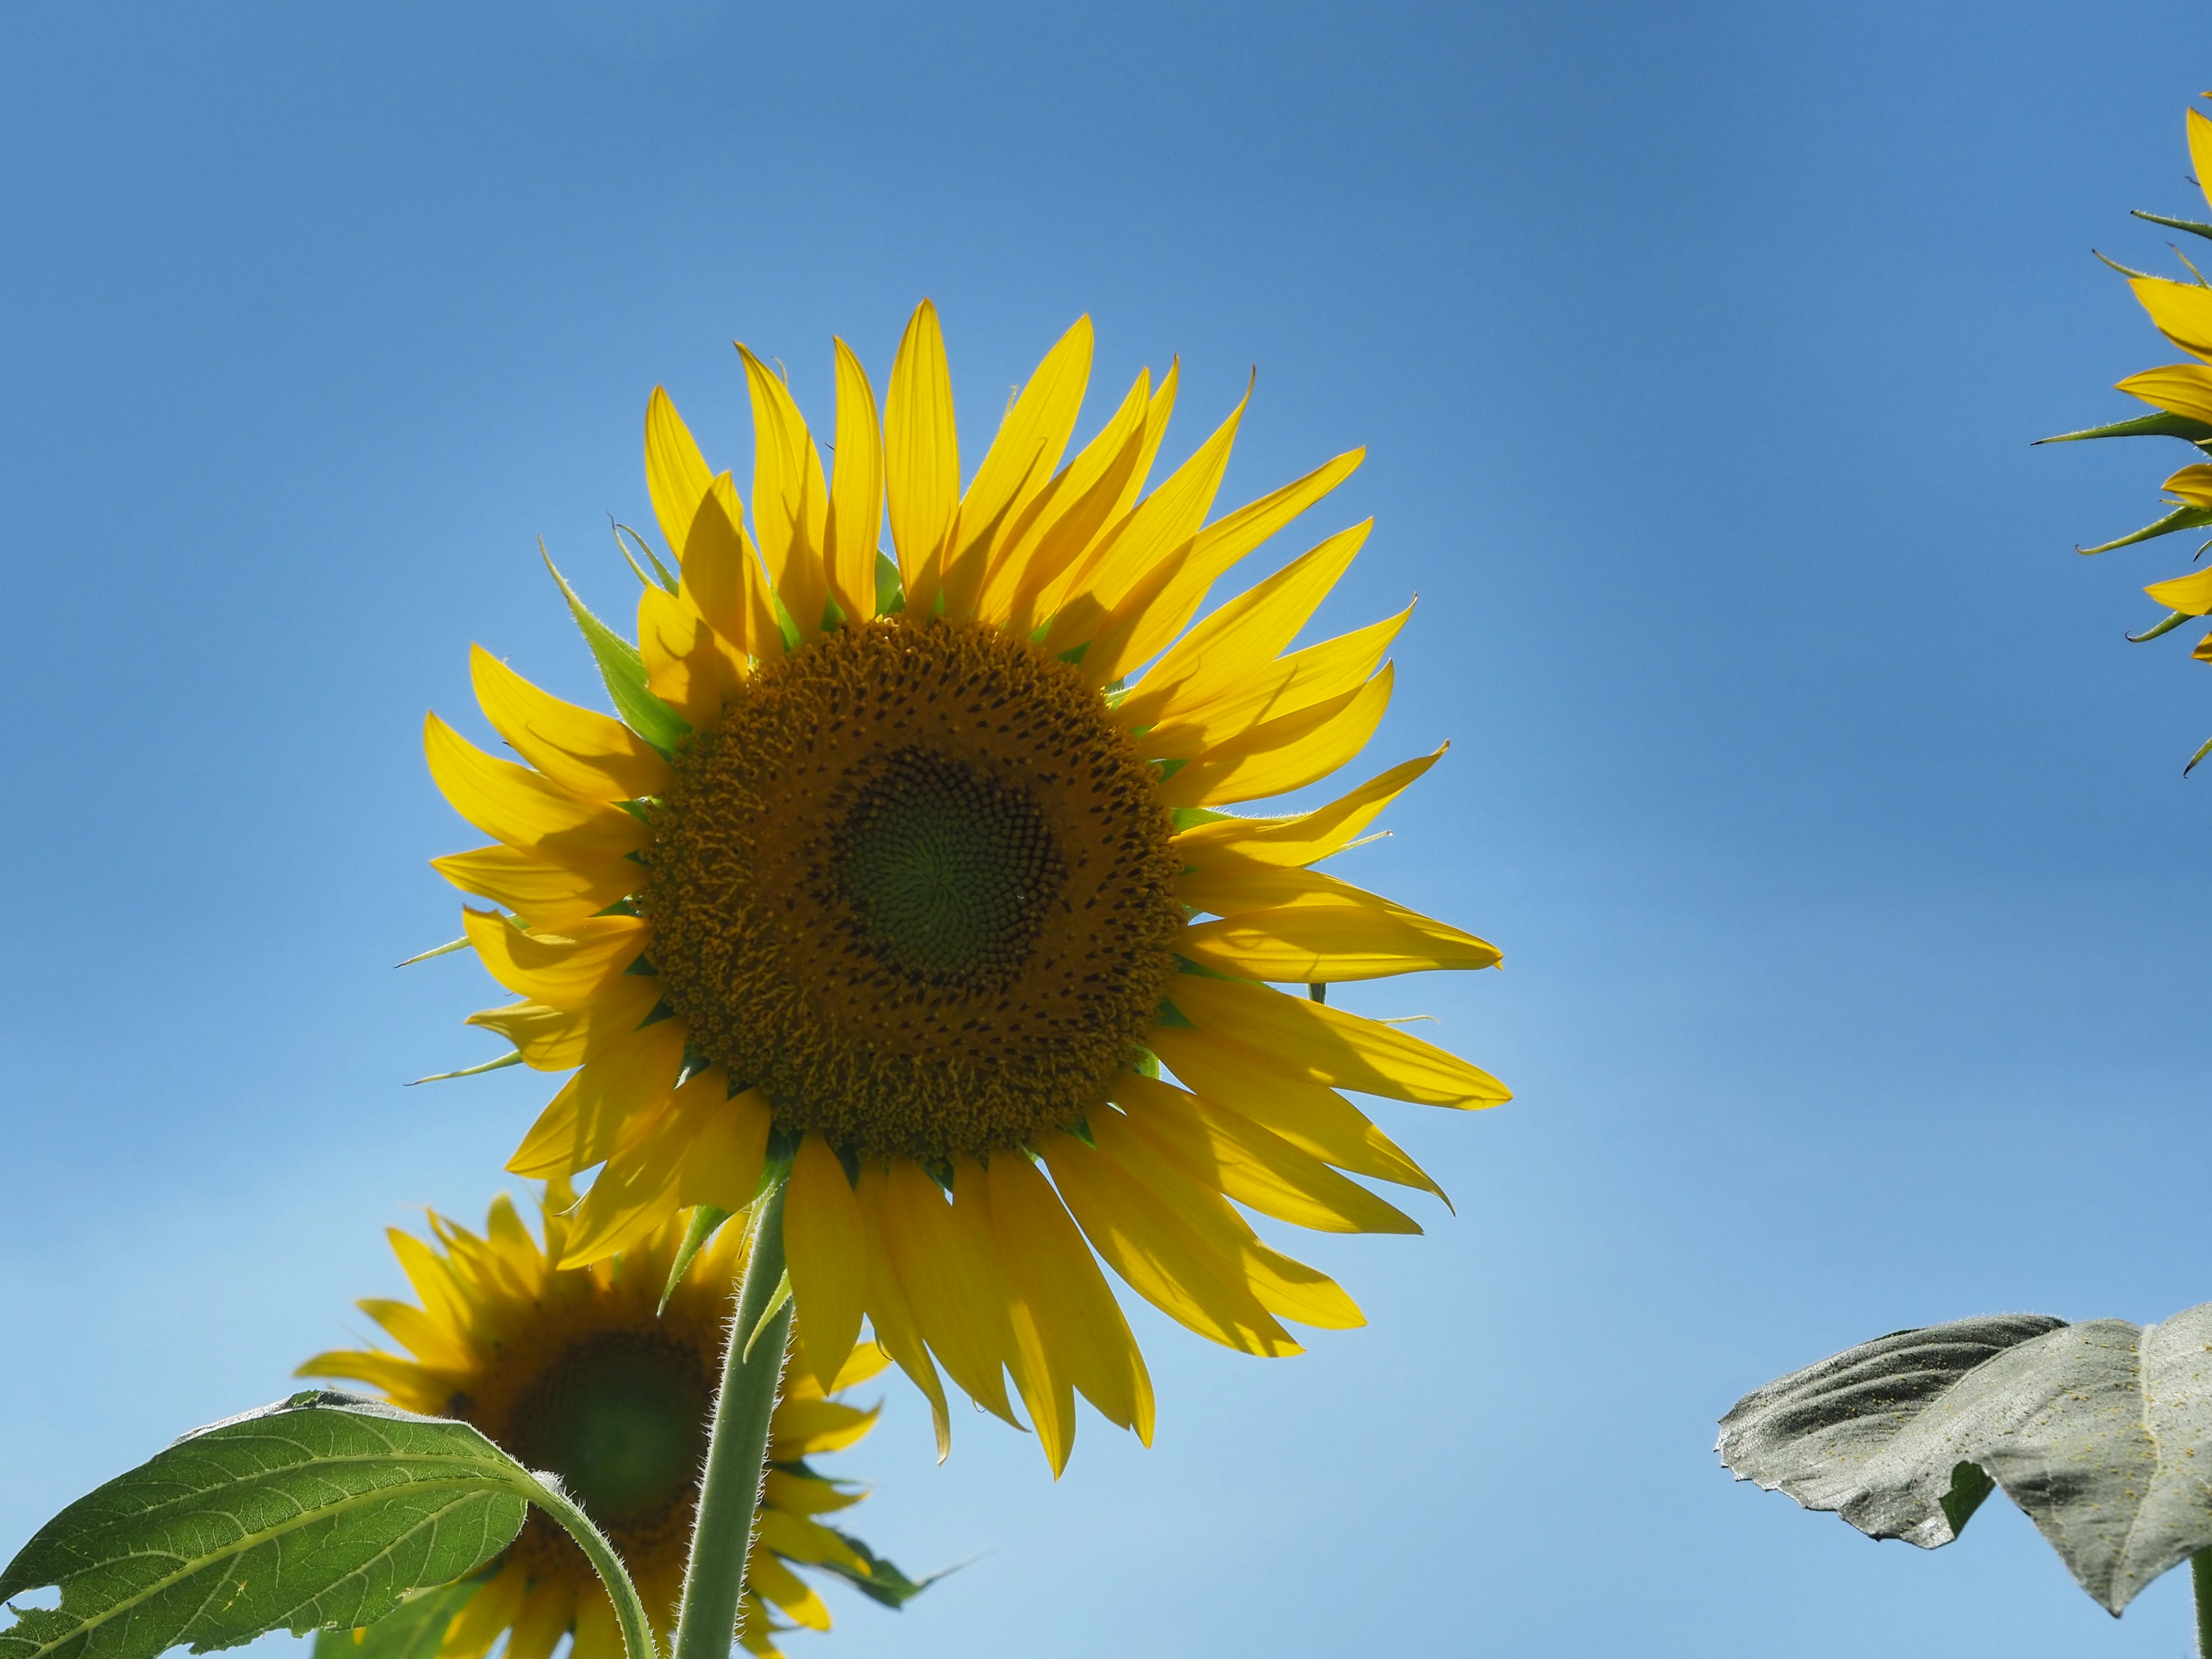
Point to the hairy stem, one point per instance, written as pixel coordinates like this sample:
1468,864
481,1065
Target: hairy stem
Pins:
629,1611
736,1445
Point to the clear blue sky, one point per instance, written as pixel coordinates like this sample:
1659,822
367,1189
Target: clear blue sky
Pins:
1851,893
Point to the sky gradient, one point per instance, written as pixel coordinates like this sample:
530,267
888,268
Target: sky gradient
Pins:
1836,841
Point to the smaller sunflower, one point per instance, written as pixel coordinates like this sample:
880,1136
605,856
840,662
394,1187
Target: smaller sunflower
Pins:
2181,393
575,1370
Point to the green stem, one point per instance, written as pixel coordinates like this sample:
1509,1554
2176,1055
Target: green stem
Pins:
629,1611
736,1445
2200,1573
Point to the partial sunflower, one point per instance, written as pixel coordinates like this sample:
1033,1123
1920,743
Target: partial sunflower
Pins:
572,1370
2182,393
895,877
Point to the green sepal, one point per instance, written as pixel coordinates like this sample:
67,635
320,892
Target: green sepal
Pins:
890,591
624,670
882,1581
2198,756
2182,518
706,1221
1189,818
450,945
2194,227
1174,1018
2173,620
2163,424
776,1300
501,1064
667,581
415,1628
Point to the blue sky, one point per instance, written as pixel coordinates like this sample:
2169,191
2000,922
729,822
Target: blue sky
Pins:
1837,844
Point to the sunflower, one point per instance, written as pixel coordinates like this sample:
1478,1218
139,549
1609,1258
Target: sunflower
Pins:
571,1370
902,877
2182,395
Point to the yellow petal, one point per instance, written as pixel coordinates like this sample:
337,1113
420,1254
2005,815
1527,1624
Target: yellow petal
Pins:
796,1538
729,1144
1285,753
1039,1374
543,894
724,580
921,456
770,1578
827,1247
585,1122
1018,466
515,804
582,750
1325,944
799,1494
1158,1253
954,1307
805,1427
2180,311
2177,388
889,1313
856,492
1242,637
688,665
1158,528
1326,1045
676,474
543,1622
1286,1288
432,1276
485,1616
2192,595
1050,1268
1307,838
635,1194
563,970
555,1039
1252,1165
429,1341
791,504
1062,520
1221,544
2200,151
2192,484
404,1380
1281,688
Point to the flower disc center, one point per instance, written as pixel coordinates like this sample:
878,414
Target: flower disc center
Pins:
945,867
621,1418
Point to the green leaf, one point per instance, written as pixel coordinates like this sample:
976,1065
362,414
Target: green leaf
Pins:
324,1511
2195,226
2161,425
624,670
2182,518
882,1581
414,1630
2102,1432
706,1221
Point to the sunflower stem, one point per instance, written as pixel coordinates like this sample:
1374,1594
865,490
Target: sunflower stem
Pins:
2200,1574
736,1445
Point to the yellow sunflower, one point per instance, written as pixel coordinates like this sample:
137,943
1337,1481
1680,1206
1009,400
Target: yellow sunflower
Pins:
2182,393
904,877
572,1370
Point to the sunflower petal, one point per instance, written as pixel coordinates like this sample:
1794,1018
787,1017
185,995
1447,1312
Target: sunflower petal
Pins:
563,970
1309,836
1326,944
688,665
856,492
827,1247
1158,1252
921,456
953,1305
1039,1372
890,1314
515,804
791,503
555,1039
586,753
2180,311
796,1538
731,1144
1062,520
1077,1318
1252,1165
676,474
1326,1045
1285,753
543,894
771,1579
724,580
2177,388
585,1123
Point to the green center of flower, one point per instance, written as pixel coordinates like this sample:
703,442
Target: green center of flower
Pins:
946,866
621,1418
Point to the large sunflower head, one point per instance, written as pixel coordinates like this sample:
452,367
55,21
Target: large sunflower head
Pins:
912,876
577,1371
